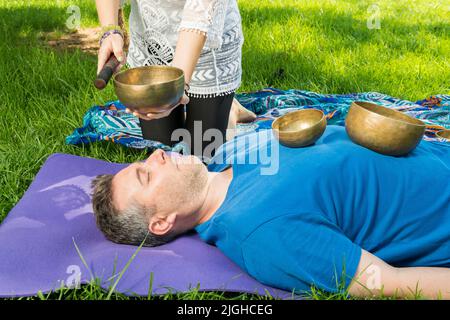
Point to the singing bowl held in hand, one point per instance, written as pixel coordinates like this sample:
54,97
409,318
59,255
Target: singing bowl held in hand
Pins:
150,89
299,128
383,130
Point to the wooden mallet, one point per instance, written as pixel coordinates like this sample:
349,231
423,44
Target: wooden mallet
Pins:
106,73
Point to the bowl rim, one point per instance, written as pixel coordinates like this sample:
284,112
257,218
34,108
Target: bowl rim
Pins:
443,130
298,111
147,67
357,103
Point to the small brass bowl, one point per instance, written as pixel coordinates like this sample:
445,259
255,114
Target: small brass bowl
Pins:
444,134
299,128
150,89
383,130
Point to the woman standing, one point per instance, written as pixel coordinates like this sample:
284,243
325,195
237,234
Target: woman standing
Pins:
203,38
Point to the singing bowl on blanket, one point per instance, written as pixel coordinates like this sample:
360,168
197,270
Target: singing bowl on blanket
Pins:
444,134
383,130
150,89
299,128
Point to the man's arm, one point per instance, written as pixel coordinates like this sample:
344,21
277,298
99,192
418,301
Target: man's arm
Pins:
374,277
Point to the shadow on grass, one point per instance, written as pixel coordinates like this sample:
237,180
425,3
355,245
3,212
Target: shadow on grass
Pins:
32,17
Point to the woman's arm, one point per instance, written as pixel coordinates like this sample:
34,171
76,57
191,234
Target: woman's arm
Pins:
108,15
202,25
107,11
375,277
188,49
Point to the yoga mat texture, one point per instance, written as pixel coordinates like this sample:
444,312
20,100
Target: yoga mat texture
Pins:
38,241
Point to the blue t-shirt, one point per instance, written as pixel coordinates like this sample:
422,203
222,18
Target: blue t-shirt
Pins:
306,222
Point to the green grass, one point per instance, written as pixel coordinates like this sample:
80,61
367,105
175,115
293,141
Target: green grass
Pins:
316,45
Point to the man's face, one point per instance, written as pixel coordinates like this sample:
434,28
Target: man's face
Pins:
171,183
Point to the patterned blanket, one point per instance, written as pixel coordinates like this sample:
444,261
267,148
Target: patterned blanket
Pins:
109,122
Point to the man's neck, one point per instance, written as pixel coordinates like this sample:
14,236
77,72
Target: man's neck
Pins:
217,188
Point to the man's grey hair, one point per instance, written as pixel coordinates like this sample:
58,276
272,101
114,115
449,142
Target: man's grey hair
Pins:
129,226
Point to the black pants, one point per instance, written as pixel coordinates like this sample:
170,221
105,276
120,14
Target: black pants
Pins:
202,114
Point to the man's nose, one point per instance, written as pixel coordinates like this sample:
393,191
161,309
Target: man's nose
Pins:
157,156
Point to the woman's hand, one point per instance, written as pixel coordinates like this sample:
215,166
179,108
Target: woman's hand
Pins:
152,116
113,44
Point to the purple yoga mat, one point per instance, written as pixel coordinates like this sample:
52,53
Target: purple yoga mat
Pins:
38,237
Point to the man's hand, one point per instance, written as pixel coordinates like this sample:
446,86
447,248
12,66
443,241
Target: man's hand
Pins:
152,116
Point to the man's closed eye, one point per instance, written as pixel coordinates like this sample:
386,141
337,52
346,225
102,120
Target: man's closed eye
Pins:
143,176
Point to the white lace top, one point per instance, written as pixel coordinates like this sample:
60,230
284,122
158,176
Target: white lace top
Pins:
154,27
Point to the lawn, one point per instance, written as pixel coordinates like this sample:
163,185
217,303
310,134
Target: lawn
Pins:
323,46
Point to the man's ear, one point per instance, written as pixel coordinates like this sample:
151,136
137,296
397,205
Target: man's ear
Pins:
162,225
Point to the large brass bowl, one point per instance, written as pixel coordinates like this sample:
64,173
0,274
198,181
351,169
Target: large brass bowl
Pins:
150,89
444,134
299,128
383,130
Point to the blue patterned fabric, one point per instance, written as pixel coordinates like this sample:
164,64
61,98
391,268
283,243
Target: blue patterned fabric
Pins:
109,122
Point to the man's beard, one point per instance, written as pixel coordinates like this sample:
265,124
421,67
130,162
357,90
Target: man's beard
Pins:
195,181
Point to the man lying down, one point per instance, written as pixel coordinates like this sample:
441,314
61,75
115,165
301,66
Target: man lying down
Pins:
334,215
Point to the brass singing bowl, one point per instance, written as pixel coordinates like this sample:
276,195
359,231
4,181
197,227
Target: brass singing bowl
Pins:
383,130
444,134
152,89
299,128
